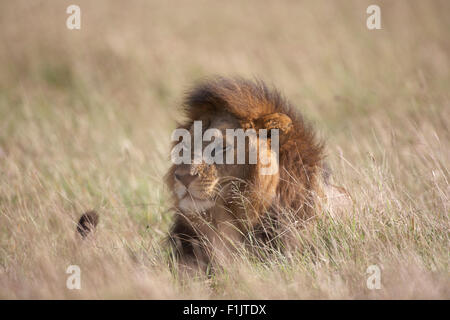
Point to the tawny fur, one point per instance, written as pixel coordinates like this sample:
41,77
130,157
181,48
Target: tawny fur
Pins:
295,188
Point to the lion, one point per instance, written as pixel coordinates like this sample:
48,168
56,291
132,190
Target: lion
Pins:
221,206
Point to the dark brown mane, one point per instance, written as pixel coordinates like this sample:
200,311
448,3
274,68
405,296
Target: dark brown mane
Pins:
301,153
292,189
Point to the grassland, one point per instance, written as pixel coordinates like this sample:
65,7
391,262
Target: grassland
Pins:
86,117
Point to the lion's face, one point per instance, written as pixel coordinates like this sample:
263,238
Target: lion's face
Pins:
204,184
198,187
231,197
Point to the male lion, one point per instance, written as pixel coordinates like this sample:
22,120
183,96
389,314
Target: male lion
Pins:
219,206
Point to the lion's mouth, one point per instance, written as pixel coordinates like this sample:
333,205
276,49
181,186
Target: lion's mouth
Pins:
192,203
186,193
189,195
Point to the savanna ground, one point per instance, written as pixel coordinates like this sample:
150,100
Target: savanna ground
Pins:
86,118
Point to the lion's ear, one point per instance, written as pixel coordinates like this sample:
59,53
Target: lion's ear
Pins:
275,121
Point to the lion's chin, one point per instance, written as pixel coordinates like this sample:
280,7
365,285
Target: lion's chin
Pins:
188,204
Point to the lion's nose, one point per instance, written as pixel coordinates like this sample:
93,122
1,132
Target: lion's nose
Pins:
186,179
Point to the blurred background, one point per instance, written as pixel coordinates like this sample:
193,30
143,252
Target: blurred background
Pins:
86,115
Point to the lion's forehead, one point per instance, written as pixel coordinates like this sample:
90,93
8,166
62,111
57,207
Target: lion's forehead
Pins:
223,122
220,120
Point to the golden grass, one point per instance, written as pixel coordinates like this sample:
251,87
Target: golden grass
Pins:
86,117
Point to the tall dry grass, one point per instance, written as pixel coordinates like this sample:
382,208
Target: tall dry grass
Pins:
86,117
